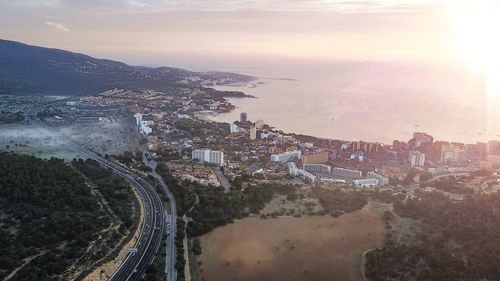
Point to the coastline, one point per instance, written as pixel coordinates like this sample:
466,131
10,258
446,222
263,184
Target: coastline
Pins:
213,116
359,104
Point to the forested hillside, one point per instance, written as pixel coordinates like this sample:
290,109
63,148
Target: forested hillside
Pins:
53,225
47,213
32,70
114,190
457,241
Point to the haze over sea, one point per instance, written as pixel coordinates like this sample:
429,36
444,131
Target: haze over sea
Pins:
371,101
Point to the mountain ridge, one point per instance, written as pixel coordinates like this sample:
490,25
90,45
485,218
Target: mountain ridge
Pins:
33,70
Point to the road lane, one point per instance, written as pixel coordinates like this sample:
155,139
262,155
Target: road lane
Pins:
171,274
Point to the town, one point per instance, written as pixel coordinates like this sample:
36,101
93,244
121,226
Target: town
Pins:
332,140
178,130
248,170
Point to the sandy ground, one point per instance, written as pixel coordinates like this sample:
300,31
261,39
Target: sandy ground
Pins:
105,271
307,248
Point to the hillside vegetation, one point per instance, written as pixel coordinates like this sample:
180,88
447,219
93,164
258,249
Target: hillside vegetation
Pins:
32,70
53,225
457,241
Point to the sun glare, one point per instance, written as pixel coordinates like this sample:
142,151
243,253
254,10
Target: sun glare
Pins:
478,44
477,24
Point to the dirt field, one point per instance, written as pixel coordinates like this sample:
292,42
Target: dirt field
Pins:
307,248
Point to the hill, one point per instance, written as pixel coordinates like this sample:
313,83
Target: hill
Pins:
53,226
451,240
32,70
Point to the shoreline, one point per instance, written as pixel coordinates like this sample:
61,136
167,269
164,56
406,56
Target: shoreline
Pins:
374,133
211,116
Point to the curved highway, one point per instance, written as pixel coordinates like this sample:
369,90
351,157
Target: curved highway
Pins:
135,264
153,225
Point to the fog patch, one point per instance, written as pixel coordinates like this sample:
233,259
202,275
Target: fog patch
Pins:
28,135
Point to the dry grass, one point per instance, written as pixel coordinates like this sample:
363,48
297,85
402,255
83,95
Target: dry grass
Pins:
307,248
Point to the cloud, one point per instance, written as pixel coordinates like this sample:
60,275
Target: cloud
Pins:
57,25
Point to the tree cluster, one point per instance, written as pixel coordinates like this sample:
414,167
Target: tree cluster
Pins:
113,188
10,117
180,260
457,241
44,204
210,207
339,201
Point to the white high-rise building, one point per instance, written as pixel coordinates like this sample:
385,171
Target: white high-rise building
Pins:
138,119
143,125
292,168
318,169
381,179
416,158
233,128
145,129
371,182
253,132
346,173
208,156
286,156
294,171
259,124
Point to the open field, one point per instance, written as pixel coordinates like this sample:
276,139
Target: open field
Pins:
307,248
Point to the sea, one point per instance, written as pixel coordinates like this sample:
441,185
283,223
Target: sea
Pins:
371,101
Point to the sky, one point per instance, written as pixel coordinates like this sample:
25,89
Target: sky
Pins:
141,31
255,36
202,32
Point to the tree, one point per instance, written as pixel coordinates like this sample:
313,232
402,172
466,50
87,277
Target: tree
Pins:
196,248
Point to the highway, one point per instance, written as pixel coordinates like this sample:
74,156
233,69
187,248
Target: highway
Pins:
153,225
170,272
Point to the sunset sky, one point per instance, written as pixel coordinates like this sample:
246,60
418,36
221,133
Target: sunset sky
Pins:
158,31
